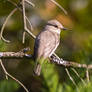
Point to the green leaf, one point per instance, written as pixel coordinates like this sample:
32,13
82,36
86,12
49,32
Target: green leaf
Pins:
8,86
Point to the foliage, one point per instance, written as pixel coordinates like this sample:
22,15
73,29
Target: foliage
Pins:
2,46
53,84
8,86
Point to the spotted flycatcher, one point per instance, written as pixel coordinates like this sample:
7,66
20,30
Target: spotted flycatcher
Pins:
46,43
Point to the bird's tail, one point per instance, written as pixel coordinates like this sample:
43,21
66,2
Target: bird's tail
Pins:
37,69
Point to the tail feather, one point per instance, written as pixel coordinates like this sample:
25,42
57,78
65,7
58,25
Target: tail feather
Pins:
37,69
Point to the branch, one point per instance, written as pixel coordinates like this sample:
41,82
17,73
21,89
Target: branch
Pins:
24,20
87,75
12,54
53,59
7,74
70,77
78,76
18,6
4,24
20,54
59,6
30,3
65,63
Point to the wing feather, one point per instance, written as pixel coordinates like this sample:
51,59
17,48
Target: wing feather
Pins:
45,44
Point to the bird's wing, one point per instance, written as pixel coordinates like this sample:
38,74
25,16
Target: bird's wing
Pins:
45,44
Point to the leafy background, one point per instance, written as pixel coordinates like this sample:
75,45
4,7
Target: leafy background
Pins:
76,45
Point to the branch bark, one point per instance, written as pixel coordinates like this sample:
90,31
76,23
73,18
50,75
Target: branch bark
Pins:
53,59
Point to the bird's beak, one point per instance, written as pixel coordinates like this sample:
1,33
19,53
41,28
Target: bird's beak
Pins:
64,29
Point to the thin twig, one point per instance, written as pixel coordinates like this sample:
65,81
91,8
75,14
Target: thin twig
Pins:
30,3
7,74
59,6
4,69
4,24
21,11
87,75
23,38
78,75
16,5
21,84
24,20
24,33
12,2
29,23
70,77
30,33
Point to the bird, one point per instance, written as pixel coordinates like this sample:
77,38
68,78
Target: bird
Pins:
46,43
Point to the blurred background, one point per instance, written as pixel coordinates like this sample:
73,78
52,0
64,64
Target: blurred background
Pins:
75,45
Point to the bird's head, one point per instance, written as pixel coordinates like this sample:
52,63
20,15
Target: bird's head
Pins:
56,25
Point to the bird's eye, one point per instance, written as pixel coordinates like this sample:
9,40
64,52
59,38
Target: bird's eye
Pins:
56,26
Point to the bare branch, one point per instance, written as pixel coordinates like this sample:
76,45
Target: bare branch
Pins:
90,66
30,33
24,20
7,74
17,6
4,69
78,76
23,7
23,38
30,3
21,84
29,23
87,75
12,54
70,77
59,6
4,24
12,2
65,63
20,54
53,59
